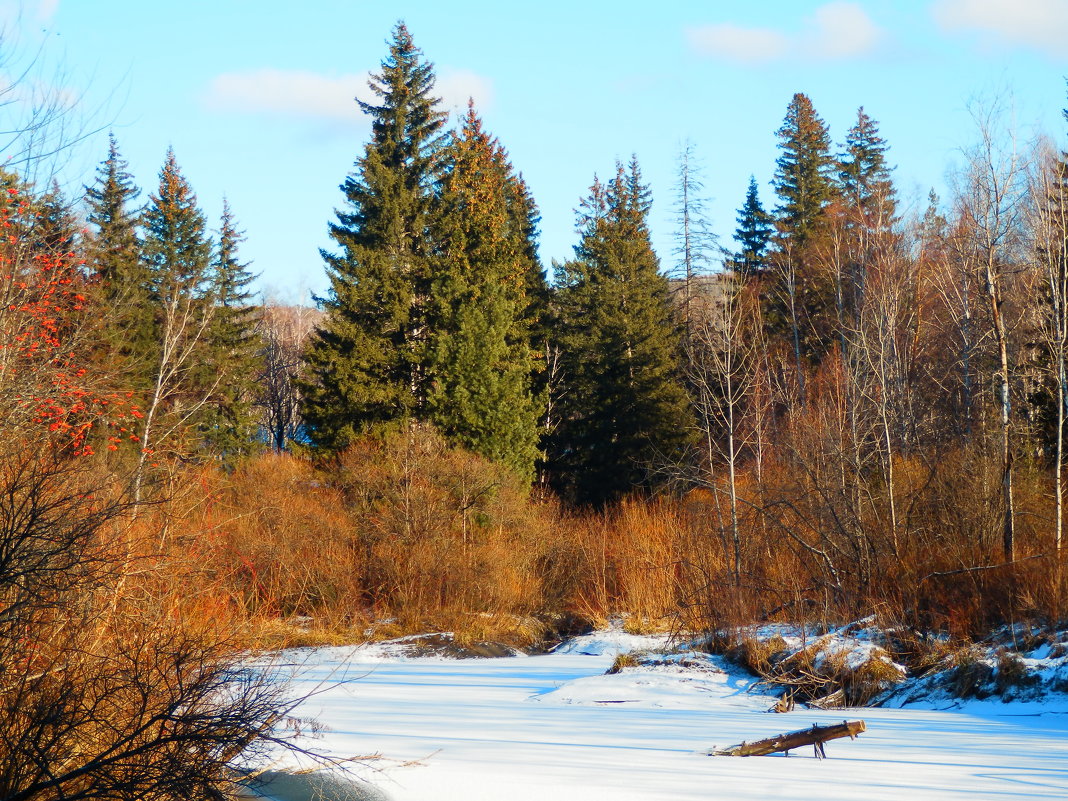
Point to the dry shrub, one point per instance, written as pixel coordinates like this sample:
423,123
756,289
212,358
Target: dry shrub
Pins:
974,674
813,676
114,685
871,678
406,530
269,541
1012,672
818,547
622,662
758,655
623,561
971,675
443,531
432,537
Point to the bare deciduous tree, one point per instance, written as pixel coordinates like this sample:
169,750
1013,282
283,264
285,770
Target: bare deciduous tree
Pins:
989,208
284,330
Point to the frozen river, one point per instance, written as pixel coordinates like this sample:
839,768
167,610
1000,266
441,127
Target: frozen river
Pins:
555,728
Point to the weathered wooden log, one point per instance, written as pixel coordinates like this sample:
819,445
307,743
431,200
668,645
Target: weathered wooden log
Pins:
816,737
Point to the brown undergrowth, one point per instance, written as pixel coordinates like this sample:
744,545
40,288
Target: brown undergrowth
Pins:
408,535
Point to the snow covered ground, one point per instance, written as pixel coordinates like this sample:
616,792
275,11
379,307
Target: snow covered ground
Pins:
555,728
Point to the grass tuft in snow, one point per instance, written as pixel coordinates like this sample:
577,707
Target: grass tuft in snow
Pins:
622,662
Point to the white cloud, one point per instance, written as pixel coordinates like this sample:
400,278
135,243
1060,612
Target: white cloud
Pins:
1042,24
324,98
46,9
839,31
735,43
455,87
836,31
290,93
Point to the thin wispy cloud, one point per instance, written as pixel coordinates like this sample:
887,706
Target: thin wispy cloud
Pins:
1037,24
835,31
456,87
735,43
290,94
840,31
321,98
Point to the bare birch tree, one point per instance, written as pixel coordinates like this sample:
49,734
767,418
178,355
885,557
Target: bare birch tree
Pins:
989,208
284,330
722,366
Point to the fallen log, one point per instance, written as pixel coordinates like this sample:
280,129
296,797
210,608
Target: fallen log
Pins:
816,737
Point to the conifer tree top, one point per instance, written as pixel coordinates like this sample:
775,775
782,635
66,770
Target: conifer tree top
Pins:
753,233
804,171
863,171
108,197
388,193
407,114
175,226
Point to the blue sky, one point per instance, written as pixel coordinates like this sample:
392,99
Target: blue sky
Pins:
255,96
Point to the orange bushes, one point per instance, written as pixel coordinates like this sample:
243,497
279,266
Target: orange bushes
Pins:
443,531
405,529
624,560
267,541
427,536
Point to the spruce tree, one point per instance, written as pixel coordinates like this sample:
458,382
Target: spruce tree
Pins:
229,426
113,257
480,359
114,250
54,229
524,219
176,250
366,363
869,205
623,408
804,172
864,175
754,234
177,256
800,300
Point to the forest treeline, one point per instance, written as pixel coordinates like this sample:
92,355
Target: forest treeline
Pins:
855,409
865,404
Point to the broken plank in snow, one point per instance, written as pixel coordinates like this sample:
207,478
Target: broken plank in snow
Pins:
816,737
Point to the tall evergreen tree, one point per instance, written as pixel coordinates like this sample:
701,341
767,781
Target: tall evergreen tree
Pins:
229,426
864,175
754,234
804,172
54,229
176,250
177,256
800,299
868,208
114,250
113,257
623,408
480,359
365,364
525,218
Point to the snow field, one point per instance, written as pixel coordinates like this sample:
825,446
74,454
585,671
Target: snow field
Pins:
555,728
